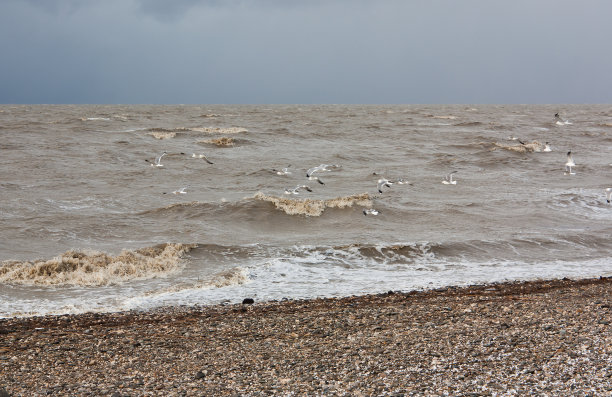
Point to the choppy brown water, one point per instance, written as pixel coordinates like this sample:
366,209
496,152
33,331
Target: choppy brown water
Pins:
75,180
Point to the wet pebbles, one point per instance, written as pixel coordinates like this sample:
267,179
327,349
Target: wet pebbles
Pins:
533,338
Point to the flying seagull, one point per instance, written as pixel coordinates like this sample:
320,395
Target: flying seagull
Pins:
282,171
296,190
383,182
569,164
181,190
157,162
319,168
448,180
201,156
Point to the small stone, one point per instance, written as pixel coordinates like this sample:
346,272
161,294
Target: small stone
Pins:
199,375
248,301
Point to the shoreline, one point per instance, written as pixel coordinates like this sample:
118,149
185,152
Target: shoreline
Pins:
546,336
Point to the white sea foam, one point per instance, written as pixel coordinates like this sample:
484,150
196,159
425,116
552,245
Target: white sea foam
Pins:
311,272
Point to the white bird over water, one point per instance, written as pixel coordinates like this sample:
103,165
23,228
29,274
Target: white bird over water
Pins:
181,190
282,171
201,156
382,182
569,164
448,180
157,162
296,190
609,194
402,181
316,178
371,211
547,148
319,168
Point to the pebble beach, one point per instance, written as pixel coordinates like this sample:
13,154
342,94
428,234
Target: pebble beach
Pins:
520,338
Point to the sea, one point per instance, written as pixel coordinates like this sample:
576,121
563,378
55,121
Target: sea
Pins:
91,223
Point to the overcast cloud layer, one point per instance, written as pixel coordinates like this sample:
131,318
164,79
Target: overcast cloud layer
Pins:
274,51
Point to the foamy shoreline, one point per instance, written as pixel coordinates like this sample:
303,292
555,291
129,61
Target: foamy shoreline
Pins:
548,337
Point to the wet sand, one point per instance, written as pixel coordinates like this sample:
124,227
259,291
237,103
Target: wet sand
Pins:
525,338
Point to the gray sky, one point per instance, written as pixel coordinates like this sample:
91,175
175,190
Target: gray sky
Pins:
335,51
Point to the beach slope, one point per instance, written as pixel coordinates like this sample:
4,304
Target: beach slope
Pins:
543,337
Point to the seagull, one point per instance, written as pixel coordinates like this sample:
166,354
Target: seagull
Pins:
371,211
569,164
316,178
181,190
157,162
201,156
403,181
322,167
608,194
297,189
448,180
383,182
283,171
547,148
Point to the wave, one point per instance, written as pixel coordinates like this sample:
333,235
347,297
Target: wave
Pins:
536,248
307,207
468,124
534,146
94,268
589,203
95,119
442,117
224,141
226,278
219,130
167,133
311,207
162,134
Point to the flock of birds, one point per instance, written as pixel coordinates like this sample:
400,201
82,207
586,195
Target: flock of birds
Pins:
158,164
381,183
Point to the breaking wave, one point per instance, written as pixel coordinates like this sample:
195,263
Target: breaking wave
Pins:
219,130
93,268
534,146
257,203
167,133
226,278
223,141
310,207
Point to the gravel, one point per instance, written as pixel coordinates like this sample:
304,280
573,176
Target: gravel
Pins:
550,337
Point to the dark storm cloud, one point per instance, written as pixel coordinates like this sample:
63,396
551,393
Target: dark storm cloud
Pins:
272,51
